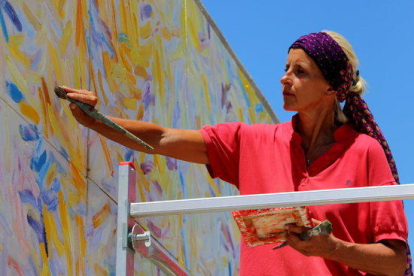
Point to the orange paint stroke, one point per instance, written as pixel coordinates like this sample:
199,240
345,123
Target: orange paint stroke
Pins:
80,26
101,216
107,155
80,264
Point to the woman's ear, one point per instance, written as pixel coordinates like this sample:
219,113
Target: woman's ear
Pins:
330,91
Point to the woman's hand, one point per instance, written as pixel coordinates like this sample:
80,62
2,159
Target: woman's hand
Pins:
84,96
387,257
323,245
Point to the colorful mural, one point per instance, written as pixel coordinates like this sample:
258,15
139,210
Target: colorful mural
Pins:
158,61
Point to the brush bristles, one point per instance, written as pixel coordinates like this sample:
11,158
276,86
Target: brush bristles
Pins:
60,92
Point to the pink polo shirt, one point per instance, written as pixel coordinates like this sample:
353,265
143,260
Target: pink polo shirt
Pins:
269,159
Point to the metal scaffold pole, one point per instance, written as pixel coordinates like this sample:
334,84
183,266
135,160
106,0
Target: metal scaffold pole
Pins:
131,236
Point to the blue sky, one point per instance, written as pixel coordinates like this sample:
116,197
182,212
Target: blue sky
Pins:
381,32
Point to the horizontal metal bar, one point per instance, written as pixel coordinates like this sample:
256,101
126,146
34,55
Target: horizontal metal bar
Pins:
290,199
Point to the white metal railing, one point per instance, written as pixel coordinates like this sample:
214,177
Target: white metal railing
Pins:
230,203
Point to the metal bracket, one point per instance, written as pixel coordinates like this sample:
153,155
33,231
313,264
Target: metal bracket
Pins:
135,237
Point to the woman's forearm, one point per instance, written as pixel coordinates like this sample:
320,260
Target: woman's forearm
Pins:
377,258
187,145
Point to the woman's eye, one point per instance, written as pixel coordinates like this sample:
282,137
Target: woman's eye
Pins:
300,71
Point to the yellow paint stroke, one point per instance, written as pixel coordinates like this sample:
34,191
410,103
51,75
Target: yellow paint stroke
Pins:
142,55
45,267
124,52
65,38
43,106
52,233
109,71
113,18
140,112
107,155
50,175
60,7
129,103
14,44
99,270
80,264
101,216
158,72
101,88
29,112
124,20
16,76
206,99
27,11
54,61
78,180
67,231
145,30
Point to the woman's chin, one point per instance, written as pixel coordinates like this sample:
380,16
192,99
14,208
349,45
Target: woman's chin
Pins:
289,107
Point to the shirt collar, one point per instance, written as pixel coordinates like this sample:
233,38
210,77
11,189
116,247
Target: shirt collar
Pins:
343,134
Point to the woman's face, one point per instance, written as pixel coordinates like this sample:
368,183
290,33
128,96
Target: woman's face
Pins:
303,85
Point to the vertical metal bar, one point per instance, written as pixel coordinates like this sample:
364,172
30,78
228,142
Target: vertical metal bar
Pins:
126,195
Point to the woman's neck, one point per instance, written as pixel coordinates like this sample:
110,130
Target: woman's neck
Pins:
316,128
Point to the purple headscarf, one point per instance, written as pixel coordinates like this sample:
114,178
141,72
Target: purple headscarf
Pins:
337,70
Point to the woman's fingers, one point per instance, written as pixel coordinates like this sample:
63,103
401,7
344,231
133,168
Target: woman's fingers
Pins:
80,116
295,229
81,95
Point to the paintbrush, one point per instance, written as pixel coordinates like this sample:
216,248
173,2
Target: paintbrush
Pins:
325,227
91,111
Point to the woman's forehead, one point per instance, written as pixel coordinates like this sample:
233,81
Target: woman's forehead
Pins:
299,56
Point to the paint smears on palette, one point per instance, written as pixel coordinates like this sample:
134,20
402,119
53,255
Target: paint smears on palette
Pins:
264,226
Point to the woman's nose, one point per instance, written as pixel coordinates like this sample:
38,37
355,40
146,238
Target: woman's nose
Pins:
284,79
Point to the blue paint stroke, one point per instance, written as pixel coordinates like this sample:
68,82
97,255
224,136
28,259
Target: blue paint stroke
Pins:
55,185
8,8
128,155
100,33
146,11
171,163
28,132
3,27
50,199
37,162
38,228
259,108
182,184
148,98
123,38
176,115
14,92
26,196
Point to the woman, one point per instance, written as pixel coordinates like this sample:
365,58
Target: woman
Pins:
321,148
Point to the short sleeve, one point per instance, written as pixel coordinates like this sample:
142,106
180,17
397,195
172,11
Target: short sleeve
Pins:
388,220
223,150
379,172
